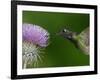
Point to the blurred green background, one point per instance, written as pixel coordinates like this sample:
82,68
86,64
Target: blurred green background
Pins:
60,52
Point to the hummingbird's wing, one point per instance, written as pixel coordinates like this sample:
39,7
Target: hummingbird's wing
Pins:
83,39
85,36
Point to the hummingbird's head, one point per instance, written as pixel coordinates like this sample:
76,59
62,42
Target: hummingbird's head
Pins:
66,33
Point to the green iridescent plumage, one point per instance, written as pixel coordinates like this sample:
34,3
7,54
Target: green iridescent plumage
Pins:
83,40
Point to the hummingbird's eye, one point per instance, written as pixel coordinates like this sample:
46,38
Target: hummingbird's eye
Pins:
64,30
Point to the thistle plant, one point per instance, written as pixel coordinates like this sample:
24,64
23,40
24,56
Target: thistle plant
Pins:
35,39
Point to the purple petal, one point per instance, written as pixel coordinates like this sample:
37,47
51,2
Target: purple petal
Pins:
35,34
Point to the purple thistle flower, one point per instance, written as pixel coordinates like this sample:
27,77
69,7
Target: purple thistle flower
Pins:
35,34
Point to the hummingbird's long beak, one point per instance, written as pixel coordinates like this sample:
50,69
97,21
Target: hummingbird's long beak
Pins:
58,33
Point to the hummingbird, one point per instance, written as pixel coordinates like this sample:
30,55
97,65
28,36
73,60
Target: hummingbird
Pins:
81,40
